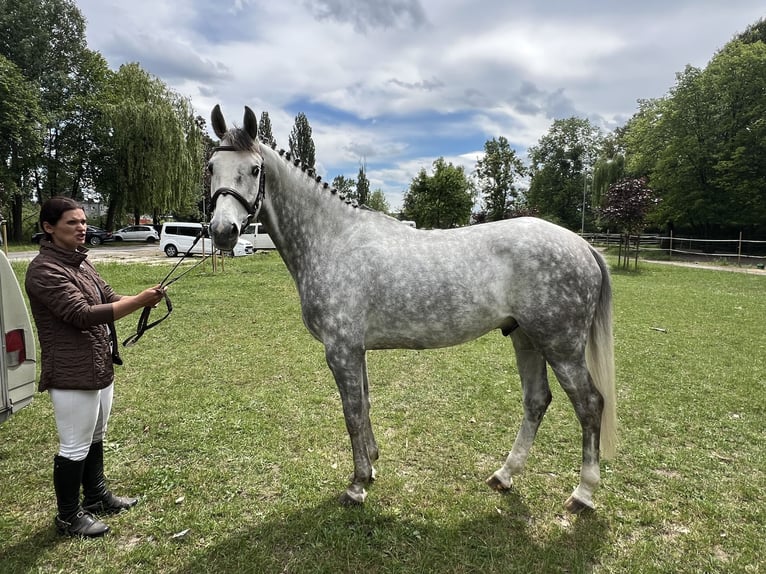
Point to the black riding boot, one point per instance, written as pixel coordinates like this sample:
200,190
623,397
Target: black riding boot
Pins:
98,499
72,520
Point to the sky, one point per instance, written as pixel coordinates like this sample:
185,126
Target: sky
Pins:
396,84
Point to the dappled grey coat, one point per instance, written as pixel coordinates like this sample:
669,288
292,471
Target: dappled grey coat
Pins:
71,305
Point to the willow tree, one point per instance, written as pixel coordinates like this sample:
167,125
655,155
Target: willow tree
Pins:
607,170
155,144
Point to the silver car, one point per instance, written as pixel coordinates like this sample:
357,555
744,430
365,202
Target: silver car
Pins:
145,233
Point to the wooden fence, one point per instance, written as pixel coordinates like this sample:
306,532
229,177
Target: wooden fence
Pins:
739,251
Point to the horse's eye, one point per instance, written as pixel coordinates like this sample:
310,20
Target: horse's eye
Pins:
256,170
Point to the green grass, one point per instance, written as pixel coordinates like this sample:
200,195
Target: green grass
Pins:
227,423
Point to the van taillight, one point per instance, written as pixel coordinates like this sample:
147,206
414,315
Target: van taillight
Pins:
15,349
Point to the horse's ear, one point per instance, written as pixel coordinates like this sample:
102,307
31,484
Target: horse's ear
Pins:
251,124
219,124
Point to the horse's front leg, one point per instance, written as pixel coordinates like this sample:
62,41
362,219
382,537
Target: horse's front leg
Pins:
349,369
369,436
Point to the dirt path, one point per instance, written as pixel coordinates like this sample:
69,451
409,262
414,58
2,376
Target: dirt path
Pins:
731,268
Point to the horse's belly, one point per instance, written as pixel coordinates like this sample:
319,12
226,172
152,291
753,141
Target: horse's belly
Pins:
418,333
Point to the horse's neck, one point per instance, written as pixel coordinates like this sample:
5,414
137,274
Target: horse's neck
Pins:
306,217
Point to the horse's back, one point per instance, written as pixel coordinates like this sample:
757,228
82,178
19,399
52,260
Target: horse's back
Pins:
431,288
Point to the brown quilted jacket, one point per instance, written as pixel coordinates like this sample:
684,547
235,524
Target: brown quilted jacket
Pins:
71,314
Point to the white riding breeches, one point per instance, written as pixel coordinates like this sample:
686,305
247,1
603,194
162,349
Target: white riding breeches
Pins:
81,419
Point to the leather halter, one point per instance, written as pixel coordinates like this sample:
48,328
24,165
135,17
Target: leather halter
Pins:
252,209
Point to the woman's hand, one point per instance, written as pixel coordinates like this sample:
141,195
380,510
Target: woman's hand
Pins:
152,296
146,298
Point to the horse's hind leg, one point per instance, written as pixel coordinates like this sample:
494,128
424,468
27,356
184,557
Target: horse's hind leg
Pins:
575,379
537,397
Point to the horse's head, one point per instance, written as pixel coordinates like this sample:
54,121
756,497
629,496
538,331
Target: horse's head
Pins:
236,179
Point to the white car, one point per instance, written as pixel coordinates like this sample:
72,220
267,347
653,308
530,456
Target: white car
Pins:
256,234
18,355
145,233
178,238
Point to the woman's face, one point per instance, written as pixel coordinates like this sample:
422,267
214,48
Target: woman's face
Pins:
69,232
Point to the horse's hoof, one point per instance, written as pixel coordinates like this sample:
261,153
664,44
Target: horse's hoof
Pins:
576,506
495,483
353,498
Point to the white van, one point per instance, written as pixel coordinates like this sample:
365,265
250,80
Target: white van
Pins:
19,355
257,234
177,237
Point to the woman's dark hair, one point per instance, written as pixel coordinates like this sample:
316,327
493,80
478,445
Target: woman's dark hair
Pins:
53,209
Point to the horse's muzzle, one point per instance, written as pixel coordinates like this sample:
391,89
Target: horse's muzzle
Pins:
224,235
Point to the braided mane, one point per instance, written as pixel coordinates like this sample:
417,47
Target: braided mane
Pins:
310,172
240,140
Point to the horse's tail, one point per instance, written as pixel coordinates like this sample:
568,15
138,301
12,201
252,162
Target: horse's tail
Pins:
599,355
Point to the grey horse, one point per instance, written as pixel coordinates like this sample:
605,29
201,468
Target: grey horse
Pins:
367,281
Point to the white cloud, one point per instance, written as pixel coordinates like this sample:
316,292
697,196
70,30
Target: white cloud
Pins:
402,82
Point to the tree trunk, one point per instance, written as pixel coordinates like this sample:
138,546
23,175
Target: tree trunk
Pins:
16,218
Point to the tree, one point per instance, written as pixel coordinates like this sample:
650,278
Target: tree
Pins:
301,144
69,167
20,140
498,172
608,169
703,146
345,186
362,186
645,136
736,80
378,201
627,203
443,200
754,33
560,164
264,130
46,40
151,147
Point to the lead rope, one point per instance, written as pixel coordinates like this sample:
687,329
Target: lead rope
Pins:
143,321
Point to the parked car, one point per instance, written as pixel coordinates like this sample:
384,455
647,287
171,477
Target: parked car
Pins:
256,234
137,233
93,236
178,237
18,356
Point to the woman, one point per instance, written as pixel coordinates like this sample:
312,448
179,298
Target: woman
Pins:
75,310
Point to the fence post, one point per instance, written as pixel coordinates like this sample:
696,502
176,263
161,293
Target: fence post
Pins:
739,250
670,251
619,252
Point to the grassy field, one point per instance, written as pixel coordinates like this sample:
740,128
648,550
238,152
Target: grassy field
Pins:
228,426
